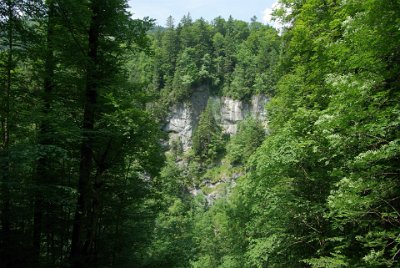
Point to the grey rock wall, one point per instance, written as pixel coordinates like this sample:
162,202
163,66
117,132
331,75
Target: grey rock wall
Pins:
233,111
183,117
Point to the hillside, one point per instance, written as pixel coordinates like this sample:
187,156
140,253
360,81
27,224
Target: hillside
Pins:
199,144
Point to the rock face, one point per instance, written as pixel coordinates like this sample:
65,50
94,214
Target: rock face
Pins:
180,124
234,111
183,117
182,121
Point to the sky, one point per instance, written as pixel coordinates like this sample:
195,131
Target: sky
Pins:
208,9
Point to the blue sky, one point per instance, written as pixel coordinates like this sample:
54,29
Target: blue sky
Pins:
208,9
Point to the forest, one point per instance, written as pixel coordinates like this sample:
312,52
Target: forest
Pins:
94,173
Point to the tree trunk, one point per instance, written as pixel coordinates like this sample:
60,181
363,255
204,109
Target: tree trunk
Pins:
43,175
5,165
83,232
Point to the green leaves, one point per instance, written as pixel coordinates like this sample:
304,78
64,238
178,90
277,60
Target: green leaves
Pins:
208,142
322,189
250,135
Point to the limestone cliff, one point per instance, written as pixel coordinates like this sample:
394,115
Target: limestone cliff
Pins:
183,117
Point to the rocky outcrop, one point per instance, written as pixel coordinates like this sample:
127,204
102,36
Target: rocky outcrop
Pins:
180,124
183,117
214,190
234,111
182,121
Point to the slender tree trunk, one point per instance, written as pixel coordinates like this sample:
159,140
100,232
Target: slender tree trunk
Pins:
118,223
83,232
43,165
5,165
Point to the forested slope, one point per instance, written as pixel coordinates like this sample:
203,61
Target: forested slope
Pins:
322,190
87,179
